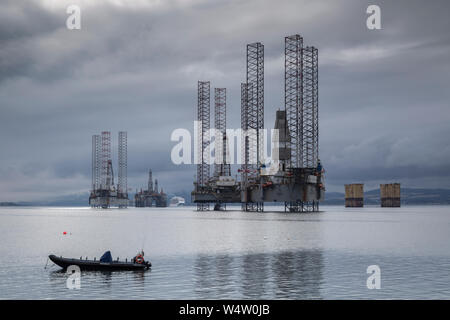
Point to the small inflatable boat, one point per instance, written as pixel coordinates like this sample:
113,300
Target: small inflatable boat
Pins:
104,264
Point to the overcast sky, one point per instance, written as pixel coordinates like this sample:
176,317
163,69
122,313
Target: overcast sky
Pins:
134,66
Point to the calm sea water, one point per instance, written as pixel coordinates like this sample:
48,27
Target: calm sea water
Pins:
229,255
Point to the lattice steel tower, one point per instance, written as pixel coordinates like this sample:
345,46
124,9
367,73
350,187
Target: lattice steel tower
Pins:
203,117
310,107
293,97
255,97
252,116
221,168
244,138
123,159
311,114
301,104
106,177
96,162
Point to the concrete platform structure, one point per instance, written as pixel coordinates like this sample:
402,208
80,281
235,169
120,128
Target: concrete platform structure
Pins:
390,195
354,195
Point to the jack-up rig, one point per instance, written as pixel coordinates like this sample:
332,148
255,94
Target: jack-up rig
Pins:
295,176
152,196
105,193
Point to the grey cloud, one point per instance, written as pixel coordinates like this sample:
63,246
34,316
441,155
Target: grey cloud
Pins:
383,94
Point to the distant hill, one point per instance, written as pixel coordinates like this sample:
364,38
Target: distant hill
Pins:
408,196
8,204
72,200
80,200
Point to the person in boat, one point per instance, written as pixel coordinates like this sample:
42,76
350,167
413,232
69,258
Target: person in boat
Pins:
139,258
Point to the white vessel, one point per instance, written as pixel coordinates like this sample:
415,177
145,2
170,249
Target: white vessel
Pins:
177,201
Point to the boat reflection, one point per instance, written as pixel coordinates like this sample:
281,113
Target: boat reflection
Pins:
101,279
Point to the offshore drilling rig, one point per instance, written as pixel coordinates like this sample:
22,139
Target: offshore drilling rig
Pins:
152,196
295,176
105,193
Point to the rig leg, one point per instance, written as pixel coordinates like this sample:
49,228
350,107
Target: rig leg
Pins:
253,206
219,206
301,206
202,206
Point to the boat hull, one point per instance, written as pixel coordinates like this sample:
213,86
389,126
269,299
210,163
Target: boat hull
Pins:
92,265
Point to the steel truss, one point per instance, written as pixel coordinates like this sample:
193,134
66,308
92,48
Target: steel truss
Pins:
253,206
203,117
255,100
293,97
123,165
221,167
310,107
244,139
301,104
96,162
252,121
301,206
106,159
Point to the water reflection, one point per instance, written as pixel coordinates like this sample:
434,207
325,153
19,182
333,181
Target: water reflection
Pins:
205,276
254,272
224,269
284,275
110,280
298,274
